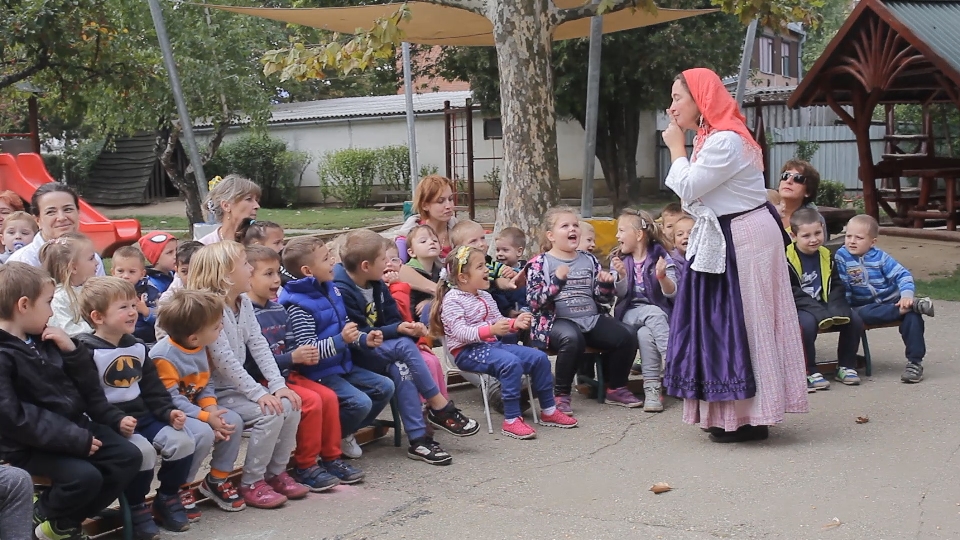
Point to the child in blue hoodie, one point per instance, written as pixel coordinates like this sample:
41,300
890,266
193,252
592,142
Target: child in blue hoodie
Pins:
880,290
359,278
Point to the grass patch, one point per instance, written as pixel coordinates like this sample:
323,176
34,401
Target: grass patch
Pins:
941,288
296,218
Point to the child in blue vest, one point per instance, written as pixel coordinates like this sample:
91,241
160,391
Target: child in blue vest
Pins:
316,316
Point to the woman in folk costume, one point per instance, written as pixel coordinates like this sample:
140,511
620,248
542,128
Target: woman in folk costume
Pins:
735,354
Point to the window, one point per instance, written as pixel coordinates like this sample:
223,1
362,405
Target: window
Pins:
766,54
785,59
492,129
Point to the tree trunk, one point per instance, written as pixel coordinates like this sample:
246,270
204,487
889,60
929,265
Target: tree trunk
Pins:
522,31
182,180
618,134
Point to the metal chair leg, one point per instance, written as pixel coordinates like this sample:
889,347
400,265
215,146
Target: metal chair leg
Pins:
866,354
486,403
601,385
127,516
533,399
395,410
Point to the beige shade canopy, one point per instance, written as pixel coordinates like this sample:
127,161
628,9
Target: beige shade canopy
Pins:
433,24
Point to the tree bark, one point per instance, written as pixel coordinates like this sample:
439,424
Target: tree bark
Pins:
618,134
522,31
184,180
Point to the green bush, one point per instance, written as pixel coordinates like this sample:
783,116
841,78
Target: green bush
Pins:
348,175
267,162
831,193
393,167
74,163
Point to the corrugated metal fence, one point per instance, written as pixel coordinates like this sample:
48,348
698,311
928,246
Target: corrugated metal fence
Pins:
836,158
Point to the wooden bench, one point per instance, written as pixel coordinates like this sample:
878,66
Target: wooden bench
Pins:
830,367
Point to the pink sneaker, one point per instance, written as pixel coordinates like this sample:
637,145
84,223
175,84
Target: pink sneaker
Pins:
261,495
563,404
518,429
285,485
558,419
623,397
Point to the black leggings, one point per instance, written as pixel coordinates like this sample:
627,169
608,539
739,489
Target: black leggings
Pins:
616,339
83,486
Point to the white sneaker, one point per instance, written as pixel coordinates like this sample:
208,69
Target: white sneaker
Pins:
349,447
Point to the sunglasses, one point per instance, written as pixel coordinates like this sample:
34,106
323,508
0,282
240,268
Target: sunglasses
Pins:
797,178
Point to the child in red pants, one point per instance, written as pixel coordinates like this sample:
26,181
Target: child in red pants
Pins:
319,430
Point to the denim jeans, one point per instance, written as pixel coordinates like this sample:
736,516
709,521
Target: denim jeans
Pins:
911,326
509,363
362,395
402,362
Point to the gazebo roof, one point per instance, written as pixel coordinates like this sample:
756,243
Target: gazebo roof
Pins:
891,51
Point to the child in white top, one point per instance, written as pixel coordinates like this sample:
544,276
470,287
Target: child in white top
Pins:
273,413
71,260
468,316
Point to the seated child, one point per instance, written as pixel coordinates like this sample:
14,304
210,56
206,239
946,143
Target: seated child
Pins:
401,293
130,382
317,318
52,424
18,231
160,250
471,233
466,315
268,234
423,247
71,260
510,245
821,299
681,238
359,278
271,410
588,237
646,283
185,252
129,265
194,320
319,432
880,290
567,291
16,502
669,216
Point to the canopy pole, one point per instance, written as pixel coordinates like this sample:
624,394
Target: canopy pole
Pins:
411,118
748,40
157,13
590,122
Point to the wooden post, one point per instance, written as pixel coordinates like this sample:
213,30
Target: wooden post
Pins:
471,191
447,140
34,119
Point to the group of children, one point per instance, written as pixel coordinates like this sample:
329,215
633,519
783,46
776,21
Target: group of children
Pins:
185,346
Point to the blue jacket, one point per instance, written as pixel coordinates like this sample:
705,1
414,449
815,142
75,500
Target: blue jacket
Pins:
146,326
274,324
384,316
160,280
324,304
874,278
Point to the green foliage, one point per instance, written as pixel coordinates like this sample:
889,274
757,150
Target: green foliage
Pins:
831,17
427,170
496,183
348,175
831,193
393,167
946,126
267,162
806,150
74,163
773,13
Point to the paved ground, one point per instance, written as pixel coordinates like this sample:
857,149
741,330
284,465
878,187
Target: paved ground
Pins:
894,477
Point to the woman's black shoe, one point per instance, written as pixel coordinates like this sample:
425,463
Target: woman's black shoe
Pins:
743,434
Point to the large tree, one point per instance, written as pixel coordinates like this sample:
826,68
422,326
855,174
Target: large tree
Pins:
637,70
522,34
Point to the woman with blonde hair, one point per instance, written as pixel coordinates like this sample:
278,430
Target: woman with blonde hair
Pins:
234,201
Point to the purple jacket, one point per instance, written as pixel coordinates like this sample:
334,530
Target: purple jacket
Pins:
650,283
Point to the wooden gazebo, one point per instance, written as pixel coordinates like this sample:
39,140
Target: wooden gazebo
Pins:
894,52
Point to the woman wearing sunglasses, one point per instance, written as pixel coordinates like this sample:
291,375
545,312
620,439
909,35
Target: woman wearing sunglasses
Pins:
799,183
734,354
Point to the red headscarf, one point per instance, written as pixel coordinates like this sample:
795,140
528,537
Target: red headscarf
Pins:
720,112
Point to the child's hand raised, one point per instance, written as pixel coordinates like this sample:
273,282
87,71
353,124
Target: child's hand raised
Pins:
142,307
661,268
350,333
95,445
500,328
390,277
605,277
519,280
59,338
562,271
508,272
375,339
177,419
127,425
619,267
523,321
307,355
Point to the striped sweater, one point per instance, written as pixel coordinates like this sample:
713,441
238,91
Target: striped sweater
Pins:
467,318
874,278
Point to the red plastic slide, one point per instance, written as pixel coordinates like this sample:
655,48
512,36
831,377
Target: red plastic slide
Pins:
25,173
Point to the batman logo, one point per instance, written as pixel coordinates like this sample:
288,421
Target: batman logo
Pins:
190,391
123,372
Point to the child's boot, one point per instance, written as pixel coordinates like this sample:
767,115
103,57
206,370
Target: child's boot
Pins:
144,527
651,397
170,512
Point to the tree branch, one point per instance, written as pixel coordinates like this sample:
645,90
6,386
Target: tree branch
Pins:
589,9
214,145
9,80
166,157
476,6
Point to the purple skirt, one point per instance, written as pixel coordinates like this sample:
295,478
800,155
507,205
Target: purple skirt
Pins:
708,355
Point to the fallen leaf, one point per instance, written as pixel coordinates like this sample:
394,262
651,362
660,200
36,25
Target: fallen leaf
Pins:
660,487
862,419
835,522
